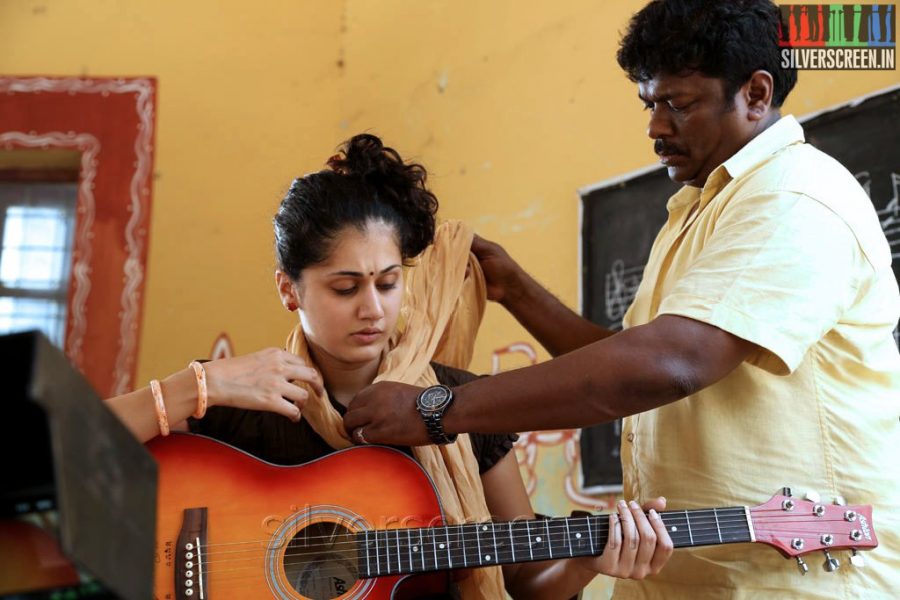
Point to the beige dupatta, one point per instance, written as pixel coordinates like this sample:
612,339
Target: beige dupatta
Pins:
443,309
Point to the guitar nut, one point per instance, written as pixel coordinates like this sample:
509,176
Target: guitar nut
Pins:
787,504
850,515
797,543
819,510
856,535
827,539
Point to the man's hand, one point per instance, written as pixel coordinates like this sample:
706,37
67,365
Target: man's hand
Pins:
385,413
501,272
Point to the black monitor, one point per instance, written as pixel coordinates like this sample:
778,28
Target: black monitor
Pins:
70,464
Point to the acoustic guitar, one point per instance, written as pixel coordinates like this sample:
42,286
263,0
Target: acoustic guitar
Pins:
366,522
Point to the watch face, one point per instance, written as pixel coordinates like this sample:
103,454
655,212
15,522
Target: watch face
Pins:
434,398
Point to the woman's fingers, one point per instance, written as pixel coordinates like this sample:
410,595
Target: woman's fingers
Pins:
630,539
646,543
664,545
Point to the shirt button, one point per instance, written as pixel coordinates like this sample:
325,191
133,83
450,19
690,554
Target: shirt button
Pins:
630,437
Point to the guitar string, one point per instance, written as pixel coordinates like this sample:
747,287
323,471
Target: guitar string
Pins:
602,518
389,553
697,529
391,545
463,530
392,570
452,545
458,535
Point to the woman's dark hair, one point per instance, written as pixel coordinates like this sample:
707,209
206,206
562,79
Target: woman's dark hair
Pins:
366,181
727,39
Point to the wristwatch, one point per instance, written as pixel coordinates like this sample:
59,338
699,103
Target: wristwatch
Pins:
432,403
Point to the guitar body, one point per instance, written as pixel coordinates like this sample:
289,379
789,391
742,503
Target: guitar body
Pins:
271,531
32,560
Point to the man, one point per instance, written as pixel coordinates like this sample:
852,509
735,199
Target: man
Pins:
758,351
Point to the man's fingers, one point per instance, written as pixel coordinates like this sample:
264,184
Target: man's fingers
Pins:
356,417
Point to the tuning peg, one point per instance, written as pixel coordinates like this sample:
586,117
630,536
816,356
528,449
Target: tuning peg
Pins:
813,496
839,500
856,559
801,565
831,564
786,491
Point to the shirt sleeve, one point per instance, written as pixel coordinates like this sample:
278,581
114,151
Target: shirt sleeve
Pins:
779,270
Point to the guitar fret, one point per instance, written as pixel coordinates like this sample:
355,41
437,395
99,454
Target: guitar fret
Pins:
569,538
434,544
377,554
687,520
409,548
530,544
512,543
549,539
368,559
478,540
462,540
421,545
399,564
718,529
496,548
587,521
449,556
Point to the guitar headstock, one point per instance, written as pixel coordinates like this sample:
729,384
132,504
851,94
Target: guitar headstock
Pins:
797,526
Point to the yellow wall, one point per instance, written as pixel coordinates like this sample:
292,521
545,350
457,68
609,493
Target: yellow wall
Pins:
511,108
247,99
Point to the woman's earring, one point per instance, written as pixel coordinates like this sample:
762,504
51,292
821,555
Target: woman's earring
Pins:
291,306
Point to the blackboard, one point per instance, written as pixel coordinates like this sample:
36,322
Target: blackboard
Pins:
621,219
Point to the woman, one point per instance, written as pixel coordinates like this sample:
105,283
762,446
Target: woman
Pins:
342,237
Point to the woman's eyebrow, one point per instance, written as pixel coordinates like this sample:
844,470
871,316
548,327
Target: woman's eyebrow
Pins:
359,274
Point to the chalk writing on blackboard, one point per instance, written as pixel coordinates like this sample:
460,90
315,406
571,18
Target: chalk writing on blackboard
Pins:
890,217
621,286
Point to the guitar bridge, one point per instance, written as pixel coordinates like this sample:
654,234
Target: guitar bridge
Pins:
190,575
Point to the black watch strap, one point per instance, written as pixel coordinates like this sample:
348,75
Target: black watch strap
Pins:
432,403
435,429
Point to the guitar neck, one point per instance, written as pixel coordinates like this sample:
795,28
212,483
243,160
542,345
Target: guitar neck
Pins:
419,550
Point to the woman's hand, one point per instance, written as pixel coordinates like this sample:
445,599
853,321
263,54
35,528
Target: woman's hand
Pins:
638,545
262,381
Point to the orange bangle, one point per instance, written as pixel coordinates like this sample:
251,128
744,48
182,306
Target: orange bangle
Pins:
161,416
202,395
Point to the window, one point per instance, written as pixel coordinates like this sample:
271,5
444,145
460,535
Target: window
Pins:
37,222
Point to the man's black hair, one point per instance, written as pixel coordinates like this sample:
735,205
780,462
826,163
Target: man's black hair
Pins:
726,39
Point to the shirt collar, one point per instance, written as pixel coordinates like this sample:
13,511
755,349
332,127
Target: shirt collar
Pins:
782,133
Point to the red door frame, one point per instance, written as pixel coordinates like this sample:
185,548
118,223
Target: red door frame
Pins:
111,122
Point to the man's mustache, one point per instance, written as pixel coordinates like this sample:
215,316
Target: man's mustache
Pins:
661,147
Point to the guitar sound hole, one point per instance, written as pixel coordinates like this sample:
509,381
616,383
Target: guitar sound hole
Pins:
320,561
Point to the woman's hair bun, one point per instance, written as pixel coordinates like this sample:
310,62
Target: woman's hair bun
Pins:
399,184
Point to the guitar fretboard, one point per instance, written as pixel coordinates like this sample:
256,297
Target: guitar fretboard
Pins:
418,550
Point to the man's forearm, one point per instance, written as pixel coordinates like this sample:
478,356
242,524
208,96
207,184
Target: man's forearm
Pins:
554,325
633,371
